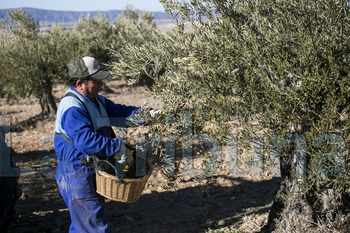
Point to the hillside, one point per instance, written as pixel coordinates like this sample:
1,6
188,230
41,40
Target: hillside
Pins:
52,16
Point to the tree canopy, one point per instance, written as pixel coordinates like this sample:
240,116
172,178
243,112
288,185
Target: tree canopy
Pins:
278,68
32,60
34,56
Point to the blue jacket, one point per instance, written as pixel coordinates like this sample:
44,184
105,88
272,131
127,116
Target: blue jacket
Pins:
87,132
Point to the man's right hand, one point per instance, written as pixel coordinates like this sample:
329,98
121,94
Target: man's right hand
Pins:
129,158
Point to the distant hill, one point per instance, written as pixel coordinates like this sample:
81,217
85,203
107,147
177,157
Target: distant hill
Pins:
52,16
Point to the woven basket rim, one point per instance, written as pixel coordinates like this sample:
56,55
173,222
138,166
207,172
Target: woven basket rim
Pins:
107,175
127,184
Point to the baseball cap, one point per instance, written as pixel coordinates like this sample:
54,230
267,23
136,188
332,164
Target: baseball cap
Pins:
83,67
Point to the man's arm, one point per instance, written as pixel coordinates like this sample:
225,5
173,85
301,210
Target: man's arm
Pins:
119,110
79,129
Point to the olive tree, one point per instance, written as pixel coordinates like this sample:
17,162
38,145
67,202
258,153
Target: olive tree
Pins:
32,60
280,68
93,35
34,56
133,29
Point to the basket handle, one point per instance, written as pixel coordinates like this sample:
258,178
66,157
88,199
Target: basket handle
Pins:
93,161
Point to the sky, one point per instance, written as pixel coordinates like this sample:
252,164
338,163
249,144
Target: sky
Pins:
84,5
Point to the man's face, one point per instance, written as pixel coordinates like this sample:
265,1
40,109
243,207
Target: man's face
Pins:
90,88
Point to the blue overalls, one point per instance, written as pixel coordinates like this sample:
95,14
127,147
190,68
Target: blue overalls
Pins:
83,127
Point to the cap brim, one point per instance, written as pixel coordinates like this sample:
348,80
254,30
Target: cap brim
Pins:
101,74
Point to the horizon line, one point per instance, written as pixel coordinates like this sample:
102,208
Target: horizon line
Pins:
134,8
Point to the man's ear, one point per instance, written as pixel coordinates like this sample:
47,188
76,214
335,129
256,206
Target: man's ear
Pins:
79,83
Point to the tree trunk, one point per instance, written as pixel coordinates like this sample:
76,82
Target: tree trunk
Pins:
47,102
291,204
316,208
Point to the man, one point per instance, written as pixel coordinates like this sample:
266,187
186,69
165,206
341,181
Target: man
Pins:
83,127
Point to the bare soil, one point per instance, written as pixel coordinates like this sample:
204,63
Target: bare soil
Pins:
221,203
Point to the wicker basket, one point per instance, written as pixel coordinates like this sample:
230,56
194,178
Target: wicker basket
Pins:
128,190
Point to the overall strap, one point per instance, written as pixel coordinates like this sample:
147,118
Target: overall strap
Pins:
75,96
85,108
113,135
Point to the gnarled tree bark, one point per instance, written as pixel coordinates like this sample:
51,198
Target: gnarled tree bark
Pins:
47,102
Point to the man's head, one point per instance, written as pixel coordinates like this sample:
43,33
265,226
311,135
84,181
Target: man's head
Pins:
84,67
85,75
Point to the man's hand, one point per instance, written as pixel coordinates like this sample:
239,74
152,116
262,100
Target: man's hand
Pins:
129,158
153,113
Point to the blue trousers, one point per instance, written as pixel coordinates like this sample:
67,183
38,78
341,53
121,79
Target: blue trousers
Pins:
78,189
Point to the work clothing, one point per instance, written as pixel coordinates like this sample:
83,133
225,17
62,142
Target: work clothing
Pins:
83,127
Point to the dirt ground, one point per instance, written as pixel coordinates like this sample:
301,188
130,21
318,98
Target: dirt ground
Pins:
220,204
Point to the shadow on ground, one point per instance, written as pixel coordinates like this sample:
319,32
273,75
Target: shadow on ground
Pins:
188,210
42,209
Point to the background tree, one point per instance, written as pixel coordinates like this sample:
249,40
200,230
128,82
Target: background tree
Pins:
97,34
92,35
281,64
133,29
34,57
33,60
